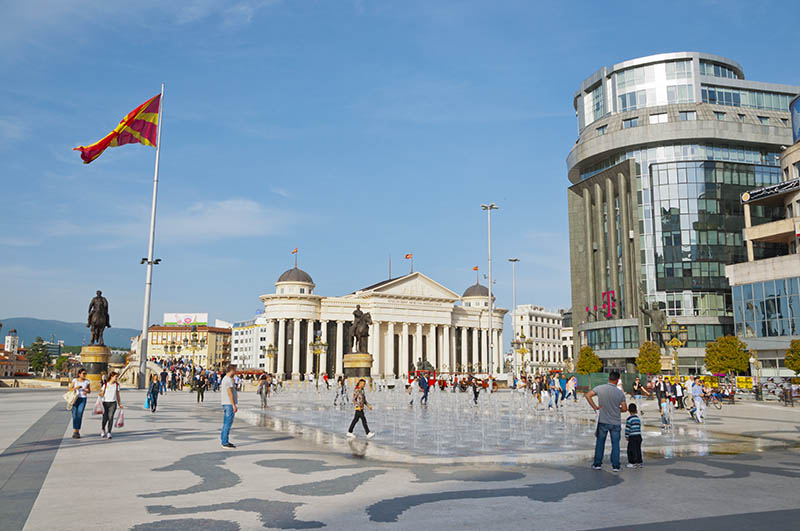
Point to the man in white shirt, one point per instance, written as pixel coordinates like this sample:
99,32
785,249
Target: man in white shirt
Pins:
229,399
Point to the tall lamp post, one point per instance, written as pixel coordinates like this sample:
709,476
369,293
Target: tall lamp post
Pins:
194,344
678,336
317,348
514,303
756,382
521,347
488,208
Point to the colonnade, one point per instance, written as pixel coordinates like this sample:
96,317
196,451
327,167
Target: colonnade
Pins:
393,345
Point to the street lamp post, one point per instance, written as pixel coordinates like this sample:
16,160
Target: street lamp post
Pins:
678,337
514,303
488,208
272,352
756,383
317,348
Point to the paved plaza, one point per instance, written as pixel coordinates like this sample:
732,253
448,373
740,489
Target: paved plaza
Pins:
167,471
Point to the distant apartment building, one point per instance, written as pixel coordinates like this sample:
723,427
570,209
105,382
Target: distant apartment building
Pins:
206,346
541,330
566,336
249,344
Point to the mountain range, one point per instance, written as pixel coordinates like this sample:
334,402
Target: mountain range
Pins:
29,328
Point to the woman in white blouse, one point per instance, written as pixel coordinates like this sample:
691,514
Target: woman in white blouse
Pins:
110,402
81,386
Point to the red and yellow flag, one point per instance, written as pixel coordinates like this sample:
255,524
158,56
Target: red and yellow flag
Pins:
294,251
138,127
475,268
409,256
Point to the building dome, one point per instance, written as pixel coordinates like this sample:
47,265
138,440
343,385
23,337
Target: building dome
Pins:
476,290
116,359
295,275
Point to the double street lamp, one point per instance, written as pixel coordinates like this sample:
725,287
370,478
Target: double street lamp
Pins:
317,348
678,336
522,347
514,307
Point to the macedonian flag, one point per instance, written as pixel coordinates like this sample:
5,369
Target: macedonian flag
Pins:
139,126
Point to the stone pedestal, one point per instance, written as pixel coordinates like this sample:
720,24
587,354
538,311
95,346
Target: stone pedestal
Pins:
356,366
94,359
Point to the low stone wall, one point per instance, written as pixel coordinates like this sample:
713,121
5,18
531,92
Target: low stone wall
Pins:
32,383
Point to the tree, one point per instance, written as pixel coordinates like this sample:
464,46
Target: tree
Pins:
649,359
588,362
60,363
793,356
38,357
728,355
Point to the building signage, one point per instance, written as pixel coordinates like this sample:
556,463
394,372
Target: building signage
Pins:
185,319
761,193
794,110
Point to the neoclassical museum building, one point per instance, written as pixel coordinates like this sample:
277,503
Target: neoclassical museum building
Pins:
413,318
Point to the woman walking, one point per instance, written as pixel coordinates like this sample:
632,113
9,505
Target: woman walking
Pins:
81,386
155,388
201,388
263,390
110,403
359,401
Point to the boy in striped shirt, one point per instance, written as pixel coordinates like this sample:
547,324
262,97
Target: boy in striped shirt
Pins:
633,434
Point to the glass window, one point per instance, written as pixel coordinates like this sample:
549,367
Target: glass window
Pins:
687,116
764,120
602,130
658,118
630,122
719,115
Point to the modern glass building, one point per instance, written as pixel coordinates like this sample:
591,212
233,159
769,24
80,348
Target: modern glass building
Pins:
666,145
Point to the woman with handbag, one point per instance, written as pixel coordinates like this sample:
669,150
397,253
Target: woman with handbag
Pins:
153,392
81,386
110,402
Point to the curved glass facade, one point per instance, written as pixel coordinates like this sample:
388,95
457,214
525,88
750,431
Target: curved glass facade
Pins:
767,309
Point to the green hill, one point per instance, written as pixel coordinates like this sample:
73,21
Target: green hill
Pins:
72,333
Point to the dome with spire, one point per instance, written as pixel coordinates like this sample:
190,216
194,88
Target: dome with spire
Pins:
295,275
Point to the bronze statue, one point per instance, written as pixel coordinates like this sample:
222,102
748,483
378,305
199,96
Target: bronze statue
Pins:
98,318
359,330
658,319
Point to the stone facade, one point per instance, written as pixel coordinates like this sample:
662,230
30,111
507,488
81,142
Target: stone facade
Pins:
414,318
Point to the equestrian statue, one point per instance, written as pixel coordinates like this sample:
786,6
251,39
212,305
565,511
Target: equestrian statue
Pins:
98,318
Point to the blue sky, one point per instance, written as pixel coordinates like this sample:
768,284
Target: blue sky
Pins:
350,129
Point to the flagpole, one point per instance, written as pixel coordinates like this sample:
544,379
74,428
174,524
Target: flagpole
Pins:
150,248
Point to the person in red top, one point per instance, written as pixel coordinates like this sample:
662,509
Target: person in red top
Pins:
325,379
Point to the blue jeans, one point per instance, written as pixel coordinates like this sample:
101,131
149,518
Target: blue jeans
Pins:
163,387
604,429
227,422
77,412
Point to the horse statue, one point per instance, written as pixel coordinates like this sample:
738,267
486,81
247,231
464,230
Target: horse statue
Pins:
98,318
359,331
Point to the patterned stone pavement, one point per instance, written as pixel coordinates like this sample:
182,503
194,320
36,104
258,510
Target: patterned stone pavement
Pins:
167,471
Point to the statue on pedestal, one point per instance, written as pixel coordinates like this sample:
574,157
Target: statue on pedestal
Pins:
359,330
98,319
658,319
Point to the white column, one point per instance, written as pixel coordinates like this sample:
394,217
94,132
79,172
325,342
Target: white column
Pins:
446,348
485,349
474,349
388,367
500,349
403,369
296,349
375,348
339,347
495,352
432,346
463,349
417,344
270,341
309,368
323,359
281,347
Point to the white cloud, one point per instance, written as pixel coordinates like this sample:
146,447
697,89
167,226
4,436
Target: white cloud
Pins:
203,221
